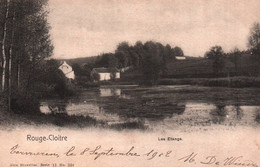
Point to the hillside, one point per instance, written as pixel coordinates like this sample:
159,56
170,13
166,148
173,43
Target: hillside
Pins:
80,61
190,66
201,67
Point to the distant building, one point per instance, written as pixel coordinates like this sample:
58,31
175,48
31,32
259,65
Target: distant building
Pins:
106,73
67,70
180,58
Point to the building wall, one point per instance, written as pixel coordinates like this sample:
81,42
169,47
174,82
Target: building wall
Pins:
104,76
118,75
70,75
107,76
67,70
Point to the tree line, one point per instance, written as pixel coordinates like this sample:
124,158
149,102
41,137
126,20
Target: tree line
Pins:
25,47
149,58
218,56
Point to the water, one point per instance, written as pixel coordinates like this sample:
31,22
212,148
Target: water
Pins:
164,107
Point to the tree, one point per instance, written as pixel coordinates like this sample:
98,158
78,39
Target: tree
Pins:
168,53
122,59
25,42
151,63
139,50
235,57
254,40
95,76
254,46
151,69
112,61
108,60
87,68
216,54
123,46
124,50
77,69
177,51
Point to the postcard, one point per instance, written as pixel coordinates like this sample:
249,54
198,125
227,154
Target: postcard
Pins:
119,83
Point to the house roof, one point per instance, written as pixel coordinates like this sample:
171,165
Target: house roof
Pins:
64,63
105,70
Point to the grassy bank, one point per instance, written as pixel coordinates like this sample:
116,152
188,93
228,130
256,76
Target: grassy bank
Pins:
234,82
10,120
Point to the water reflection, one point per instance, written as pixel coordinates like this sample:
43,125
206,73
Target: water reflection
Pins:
117,106
54,107
105,92
109,92
77,109
219,114
239,111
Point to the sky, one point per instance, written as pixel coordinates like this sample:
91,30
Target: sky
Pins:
83,28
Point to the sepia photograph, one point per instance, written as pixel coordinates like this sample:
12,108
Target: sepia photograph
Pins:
120,83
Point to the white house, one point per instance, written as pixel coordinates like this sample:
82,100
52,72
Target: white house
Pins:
67,70
106,73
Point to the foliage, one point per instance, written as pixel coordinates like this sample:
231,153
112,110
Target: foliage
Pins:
177,51
107,60
25,44
25,103
254,41
149,59
113,76
254,46
122,59
95,77
122,53
217,55
151,64
78,71
235,58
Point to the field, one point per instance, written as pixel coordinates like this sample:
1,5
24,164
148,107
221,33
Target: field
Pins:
202,68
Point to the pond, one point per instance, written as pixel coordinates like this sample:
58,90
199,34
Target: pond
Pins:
164,107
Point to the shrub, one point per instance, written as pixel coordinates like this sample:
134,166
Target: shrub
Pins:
3,103
65,120
129,125
25,103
